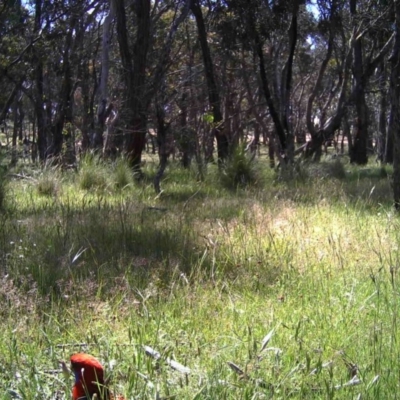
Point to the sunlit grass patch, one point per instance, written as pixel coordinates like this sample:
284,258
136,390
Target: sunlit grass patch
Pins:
92,173
289,290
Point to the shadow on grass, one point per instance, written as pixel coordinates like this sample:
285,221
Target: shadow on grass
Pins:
102,243
183,195
366,188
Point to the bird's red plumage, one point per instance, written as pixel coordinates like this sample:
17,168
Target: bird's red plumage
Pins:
89,377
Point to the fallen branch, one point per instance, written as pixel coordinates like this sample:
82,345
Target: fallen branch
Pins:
173,364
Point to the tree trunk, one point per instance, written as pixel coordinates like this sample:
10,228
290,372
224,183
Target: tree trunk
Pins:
389,136
327,131
268,97
16,121
359,152
64,108
394,126
382,112
362,72
105,68
39,101
135,78
213,92
163,145
287,75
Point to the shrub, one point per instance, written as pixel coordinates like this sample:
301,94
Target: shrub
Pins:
91,173
122,174
48,183
239,170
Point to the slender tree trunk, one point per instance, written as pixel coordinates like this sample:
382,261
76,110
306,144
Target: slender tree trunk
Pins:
105,68
186,136
287,75
39,101
389,136
213,92
10,100
163,145
64,109
382,112
16,121
268,97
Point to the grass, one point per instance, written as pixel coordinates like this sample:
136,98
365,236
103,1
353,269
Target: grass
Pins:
295,282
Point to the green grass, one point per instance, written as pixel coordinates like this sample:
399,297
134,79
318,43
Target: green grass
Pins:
203,274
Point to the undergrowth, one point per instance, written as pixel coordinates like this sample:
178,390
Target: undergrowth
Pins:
289,289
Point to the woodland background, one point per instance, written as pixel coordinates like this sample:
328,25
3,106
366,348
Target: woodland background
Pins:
218,180
195,77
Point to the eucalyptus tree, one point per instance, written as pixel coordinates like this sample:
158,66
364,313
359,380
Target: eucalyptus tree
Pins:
368,52
331,37
271,31
14,44
136,25
213,90
394,93
56,62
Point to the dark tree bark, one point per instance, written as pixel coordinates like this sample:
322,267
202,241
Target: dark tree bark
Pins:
10,100
358,154
382,125
287,75
137,101
64,109
39,102
17,125
362,71
186,138
102,113
213,92
394,123
327,130
389,138
267,94
139,90
280,108
134,76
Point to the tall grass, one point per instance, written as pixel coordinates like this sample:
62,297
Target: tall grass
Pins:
289,290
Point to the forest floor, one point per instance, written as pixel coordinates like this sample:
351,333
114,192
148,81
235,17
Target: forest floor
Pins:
285,288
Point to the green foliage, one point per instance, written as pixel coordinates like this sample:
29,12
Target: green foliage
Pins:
48,182
122,174
208,117
240,169
92,174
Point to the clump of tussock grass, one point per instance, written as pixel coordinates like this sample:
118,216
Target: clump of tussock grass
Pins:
296,172
328,169
240,170
122,174
92,172
368,187
48,183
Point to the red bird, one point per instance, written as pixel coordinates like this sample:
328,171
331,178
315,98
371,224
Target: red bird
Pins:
89,378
